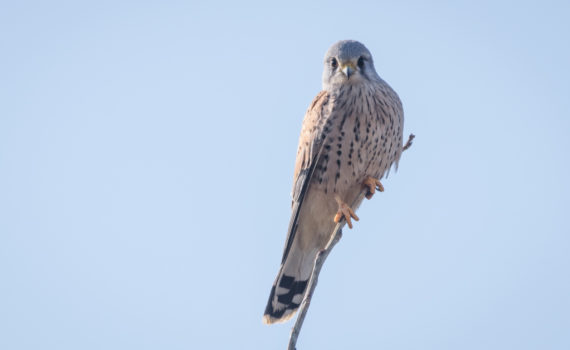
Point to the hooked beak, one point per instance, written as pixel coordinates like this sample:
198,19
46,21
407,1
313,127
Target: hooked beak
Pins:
348,70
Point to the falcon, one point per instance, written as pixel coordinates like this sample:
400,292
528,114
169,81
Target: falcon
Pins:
351,136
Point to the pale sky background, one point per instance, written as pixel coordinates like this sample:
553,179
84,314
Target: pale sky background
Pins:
146,160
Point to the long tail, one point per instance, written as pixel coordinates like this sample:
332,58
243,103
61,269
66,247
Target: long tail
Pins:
290,286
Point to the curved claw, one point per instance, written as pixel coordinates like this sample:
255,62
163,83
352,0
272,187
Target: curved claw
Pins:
346,212
373,185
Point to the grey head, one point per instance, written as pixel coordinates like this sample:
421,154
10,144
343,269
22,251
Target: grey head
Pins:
348,62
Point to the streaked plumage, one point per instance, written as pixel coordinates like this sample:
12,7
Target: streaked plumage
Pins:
352,131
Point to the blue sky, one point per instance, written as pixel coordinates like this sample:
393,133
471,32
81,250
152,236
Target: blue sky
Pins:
147,151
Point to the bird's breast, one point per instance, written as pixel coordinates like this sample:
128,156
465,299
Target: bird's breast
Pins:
361,137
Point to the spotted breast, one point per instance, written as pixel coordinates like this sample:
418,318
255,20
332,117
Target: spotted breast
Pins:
362,136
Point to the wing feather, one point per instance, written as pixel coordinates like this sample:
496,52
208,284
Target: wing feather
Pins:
308,155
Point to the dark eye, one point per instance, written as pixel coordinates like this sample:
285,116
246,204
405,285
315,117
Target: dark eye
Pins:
360,62
334,63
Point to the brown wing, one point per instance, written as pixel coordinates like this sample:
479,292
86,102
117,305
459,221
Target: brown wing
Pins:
310,145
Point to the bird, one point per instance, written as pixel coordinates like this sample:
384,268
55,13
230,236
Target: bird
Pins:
350,138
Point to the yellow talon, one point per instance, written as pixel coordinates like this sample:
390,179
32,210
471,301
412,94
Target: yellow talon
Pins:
373,185
346,212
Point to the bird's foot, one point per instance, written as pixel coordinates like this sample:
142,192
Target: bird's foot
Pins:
346,212
373,185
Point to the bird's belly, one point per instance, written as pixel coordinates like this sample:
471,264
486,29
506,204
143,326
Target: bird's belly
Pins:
348,158
362,137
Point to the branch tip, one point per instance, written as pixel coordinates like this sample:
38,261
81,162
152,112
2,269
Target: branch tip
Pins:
409,142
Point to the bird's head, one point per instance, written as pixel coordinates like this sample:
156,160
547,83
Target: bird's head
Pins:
347,62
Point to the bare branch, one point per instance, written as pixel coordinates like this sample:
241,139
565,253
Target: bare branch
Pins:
409,142
319,261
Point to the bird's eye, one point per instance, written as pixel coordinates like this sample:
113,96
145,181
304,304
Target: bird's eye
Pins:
360,62
334,63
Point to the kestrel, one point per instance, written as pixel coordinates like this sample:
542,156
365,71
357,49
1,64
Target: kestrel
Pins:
351,135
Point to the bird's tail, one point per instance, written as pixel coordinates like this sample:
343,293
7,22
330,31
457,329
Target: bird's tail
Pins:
290,286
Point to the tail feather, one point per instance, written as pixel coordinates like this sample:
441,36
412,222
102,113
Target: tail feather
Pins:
289,288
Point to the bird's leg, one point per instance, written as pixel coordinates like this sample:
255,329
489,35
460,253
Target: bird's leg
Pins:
344,211
373,185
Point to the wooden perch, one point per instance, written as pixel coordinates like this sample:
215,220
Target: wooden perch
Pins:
409,143
319,261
